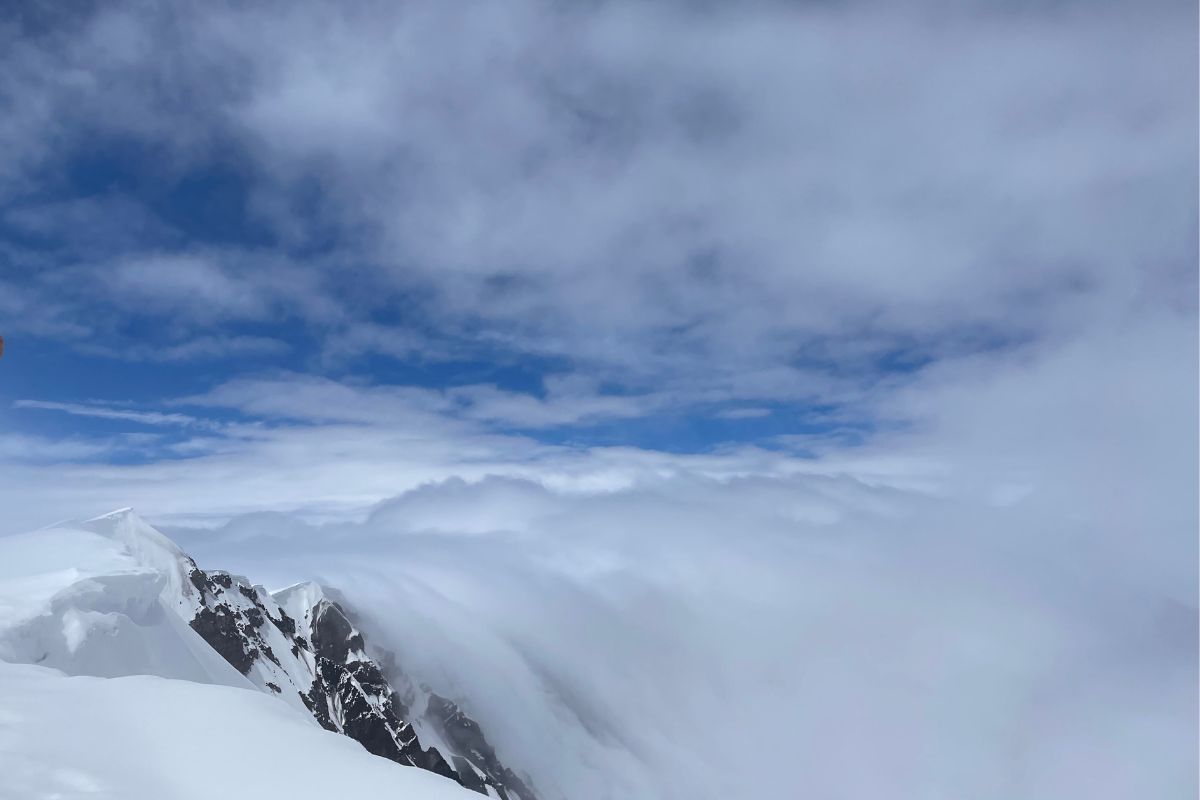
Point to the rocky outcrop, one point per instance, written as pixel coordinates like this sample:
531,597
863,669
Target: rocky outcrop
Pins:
475,760
301,645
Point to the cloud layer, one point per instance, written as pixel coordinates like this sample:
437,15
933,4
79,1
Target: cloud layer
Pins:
766,637
995,601
676,196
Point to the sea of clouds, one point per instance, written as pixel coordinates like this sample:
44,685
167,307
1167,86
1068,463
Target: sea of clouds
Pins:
998,603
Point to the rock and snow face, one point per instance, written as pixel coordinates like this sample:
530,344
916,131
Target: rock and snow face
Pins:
346,690
391,716
300,644
113,597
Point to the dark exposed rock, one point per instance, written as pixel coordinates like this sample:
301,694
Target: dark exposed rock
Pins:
349,692
465,736
369,677
475,764
286,624
220,629
332,633
317,701
199,580
359,691
432,760
467,776
369,729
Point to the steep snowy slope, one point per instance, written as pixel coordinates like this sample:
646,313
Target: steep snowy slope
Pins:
148,738
112,597
84,604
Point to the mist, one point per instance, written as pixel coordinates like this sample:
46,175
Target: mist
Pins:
763,638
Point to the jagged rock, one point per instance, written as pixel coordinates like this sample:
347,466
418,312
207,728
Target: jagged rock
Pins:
333,636
432,760
198,579
221,631
314,649
466,737
286,624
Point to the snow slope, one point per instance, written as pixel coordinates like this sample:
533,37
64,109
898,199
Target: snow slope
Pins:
107,692
85,604
150,738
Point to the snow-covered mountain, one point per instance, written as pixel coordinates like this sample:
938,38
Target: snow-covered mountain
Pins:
112,597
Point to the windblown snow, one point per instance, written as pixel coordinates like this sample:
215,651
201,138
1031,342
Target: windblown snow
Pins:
106,691
97,600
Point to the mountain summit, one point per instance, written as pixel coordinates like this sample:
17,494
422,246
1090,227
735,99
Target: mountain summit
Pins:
132,602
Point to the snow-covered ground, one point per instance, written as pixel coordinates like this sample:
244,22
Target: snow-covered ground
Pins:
105,692
77,601
143,737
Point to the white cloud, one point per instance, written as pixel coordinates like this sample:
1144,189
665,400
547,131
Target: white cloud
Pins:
203,347
21,448
633,623
299,397
184,282
675,195
744,413
680,638
108,412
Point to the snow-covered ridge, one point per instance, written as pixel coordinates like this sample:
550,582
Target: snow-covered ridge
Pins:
75,600
111,596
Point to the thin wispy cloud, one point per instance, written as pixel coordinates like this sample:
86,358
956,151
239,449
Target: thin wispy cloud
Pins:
108,412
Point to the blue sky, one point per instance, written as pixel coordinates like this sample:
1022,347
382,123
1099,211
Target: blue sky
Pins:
555,231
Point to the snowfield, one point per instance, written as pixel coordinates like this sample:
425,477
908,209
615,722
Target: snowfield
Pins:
80,602
143,737
105,692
